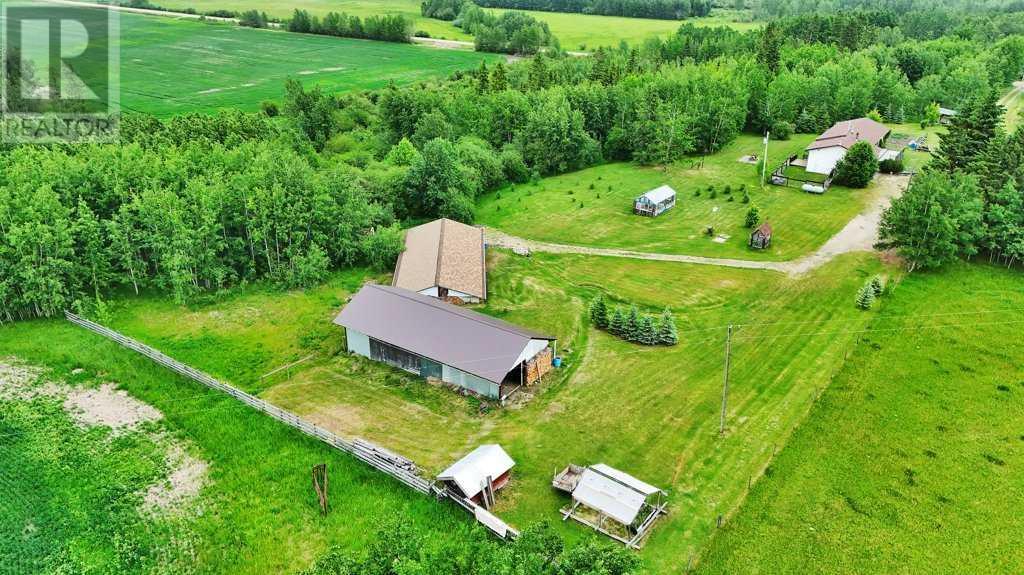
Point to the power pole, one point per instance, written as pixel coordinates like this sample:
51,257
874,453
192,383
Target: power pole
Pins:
764,165
725,382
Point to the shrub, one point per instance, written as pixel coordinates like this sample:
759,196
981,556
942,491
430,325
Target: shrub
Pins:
753,217
858,167
599,312
876,285
270,108
782,130
865,297
893,166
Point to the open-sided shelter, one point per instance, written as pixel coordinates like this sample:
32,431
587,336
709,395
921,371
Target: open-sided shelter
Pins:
611,501
444,259
655,202
479,474
434,339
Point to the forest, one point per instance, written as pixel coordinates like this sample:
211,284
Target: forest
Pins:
197,204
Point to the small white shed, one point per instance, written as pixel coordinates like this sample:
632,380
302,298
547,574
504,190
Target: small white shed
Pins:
654,202
479,474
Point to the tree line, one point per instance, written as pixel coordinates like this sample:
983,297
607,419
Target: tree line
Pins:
386,28
659,9
970,200
508,32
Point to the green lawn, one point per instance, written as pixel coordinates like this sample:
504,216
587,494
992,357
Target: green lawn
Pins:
594,207
573,30
911,462
650,411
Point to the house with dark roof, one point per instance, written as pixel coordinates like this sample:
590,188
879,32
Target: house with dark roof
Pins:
434,339
829,148
444,259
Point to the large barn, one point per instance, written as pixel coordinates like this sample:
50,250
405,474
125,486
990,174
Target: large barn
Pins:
444,259
829,148
434,339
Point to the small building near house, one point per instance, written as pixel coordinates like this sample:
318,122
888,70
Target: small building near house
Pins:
829,148
444,259
435,339
655,202
611,501
946,115
761,238
479,474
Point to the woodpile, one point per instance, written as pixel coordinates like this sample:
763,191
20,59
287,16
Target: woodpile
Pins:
537,367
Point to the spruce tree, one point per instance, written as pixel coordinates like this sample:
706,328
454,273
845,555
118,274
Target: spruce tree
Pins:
632,327
667,333
599,312
645,331
876,285
865,297
617,324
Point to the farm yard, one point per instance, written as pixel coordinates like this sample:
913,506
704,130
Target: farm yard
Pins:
843,398
673,394
593,207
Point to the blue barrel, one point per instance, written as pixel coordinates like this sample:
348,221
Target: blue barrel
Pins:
557,362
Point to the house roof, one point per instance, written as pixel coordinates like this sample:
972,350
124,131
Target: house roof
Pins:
466,340
612,492
659,194
471,472
946,112
848,132
764,229
443,253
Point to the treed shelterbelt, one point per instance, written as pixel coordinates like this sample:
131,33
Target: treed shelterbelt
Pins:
198,204
660,9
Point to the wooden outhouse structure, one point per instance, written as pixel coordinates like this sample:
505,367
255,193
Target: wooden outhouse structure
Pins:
761,238
434,339
655,202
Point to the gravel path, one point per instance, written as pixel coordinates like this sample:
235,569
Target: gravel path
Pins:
859,235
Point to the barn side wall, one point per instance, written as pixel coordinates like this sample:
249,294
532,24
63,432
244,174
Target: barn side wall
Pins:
358,342
469,381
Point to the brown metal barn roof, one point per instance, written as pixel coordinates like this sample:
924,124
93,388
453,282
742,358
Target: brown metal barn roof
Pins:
472,342
849,132
443,253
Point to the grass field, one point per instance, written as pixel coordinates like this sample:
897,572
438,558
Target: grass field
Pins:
573,30
651,411
911,462
171,66
69,498
594,207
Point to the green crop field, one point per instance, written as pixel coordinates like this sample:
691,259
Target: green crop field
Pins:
917,446
575,31
594,206
171,66
652,411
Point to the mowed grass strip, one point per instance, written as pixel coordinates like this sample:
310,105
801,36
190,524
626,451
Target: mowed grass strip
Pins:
652,411
171,66
594,207
911,461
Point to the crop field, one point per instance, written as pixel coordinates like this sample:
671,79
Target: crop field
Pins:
77,495
594,207
171,66
917,446
652,411
575,31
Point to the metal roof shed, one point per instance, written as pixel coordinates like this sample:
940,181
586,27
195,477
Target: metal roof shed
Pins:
480,473
612,494
655,201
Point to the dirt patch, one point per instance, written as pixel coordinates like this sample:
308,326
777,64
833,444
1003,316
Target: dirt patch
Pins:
187,476
108,406
17,382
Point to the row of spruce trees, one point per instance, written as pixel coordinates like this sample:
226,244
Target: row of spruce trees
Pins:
633,327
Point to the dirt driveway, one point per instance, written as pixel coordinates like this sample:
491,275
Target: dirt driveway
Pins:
859,235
